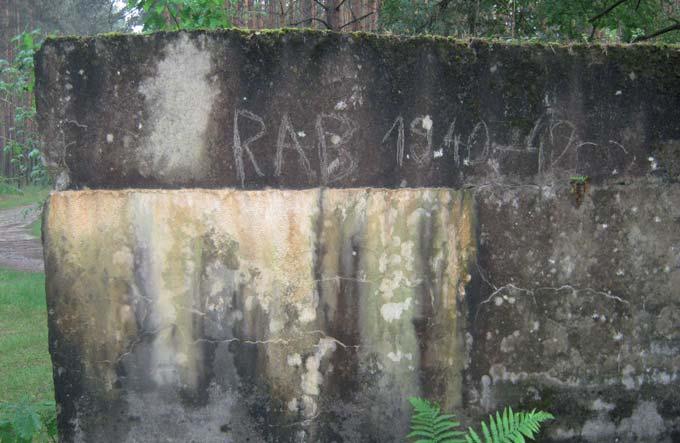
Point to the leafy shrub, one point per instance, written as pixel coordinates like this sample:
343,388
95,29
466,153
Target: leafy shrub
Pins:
17,84
429,425
7,189
159,15
26,422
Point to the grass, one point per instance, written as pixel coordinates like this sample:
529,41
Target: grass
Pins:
36,227
25,367
11,197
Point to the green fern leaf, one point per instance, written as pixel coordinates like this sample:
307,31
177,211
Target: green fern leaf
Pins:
494,430
420,428
506,426
445,417
440,426
429,425
451,436
487,436
472,437
429,436
499,427
510,427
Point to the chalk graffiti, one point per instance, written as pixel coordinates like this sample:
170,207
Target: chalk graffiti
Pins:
552,144
239,147
421,127
286,130
344,163
399,125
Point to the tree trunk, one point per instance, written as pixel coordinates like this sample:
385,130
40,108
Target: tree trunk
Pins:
332,15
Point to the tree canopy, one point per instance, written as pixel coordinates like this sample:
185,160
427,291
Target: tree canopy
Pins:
610,21
552,20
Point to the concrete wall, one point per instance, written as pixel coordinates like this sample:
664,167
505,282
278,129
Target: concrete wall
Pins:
281,236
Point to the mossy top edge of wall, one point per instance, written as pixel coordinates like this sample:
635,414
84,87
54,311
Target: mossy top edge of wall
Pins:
368,36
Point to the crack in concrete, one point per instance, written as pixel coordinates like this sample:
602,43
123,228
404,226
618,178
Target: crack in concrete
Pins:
497,290
573,289
283,341
140,338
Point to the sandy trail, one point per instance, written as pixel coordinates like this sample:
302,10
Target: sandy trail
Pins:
19,249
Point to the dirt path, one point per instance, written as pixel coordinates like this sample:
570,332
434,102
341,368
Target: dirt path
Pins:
19,250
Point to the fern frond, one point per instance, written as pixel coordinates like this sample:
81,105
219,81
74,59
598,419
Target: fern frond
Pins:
486,433
494,431
472,437
509,427
428,425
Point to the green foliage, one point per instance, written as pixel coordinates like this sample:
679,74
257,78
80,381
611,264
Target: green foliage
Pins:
25,367
509,427
160,15
573,20
26,422
429,425
579,178
542,20
12,197
70,17
8,189
17,83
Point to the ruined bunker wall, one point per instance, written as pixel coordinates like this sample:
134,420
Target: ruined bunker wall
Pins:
484,224
304,109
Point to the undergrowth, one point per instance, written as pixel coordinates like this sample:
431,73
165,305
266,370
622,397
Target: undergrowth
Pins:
429,425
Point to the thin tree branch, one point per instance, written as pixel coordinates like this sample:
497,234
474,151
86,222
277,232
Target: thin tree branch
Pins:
607,11
325,23
355,20
675,27
325,8
337,8
351,11
441,7
174,19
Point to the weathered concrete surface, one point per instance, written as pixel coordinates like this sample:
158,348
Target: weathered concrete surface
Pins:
311,314
578,309
302,109
271,315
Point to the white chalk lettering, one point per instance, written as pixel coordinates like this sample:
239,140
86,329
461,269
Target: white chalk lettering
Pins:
286,130
422,127
343,164
239,146
399,124
452,138
552,144
474,139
